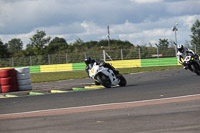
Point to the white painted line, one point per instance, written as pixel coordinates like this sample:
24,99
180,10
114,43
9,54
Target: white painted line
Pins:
99,107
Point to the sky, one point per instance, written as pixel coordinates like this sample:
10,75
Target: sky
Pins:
138,21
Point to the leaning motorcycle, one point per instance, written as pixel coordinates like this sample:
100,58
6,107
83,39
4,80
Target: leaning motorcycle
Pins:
105,76
192,62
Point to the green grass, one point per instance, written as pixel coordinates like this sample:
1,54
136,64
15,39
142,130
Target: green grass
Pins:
147,69
56,76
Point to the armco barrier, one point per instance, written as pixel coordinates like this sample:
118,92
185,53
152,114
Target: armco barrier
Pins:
78,66
125,63
159,62
117,64
56,68
34,69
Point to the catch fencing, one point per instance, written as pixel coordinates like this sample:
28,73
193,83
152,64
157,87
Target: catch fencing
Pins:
77,57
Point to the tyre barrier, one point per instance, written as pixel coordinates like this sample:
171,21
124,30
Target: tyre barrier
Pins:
15,79
8,80
25,87
22,70
24,78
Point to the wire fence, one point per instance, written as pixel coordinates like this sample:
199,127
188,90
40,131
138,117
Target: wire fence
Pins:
106,55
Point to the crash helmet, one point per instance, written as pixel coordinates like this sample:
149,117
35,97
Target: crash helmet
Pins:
88,60
180,48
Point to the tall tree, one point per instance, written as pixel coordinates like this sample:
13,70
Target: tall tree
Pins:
196,35
57,44
3,50
163,43
14,45
78,42
38,41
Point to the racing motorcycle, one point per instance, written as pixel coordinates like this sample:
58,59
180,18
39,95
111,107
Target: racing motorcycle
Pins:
192,62
105,76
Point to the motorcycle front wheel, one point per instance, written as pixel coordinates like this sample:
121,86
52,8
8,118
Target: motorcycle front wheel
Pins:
104,80
122,80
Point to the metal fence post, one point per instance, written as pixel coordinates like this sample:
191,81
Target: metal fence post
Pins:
49,60
66,58
13,64
157,50
139,52
104,55
30,61
122,58
85,55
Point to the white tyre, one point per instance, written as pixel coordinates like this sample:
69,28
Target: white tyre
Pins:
23,70
25,87
23,76
24,82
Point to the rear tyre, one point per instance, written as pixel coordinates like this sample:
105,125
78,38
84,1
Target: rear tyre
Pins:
97,83
122,80
195,68
104,80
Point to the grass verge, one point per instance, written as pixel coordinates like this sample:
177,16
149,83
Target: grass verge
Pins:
56,76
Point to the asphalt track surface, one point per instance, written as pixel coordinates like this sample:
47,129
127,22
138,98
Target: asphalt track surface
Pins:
168,117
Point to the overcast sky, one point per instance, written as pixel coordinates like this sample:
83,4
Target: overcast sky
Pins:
138,21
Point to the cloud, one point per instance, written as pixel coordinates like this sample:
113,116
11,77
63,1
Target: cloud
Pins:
153,31
188,7
138,21
137,33
146,1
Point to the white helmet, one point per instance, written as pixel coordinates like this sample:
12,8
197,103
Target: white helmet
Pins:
180,48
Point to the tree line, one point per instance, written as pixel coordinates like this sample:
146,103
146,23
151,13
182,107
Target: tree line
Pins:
41,44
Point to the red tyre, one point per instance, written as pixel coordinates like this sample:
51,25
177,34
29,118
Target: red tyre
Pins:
9,88
8,81
11,72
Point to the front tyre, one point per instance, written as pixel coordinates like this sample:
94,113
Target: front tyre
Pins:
104,80
122,80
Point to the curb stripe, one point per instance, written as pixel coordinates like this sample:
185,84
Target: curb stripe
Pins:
2,96
35,93
11,95
78,89
94,87
58,91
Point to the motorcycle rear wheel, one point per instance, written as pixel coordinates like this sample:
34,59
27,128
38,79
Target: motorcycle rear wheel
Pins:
96,83
104,80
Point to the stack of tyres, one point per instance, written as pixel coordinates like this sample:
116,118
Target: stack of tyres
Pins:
24,78
8,80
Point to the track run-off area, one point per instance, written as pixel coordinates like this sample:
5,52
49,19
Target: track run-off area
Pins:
153,102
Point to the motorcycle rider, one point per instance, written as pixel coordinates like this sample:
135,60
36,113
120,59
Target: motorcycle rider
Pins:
182,53
90,61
